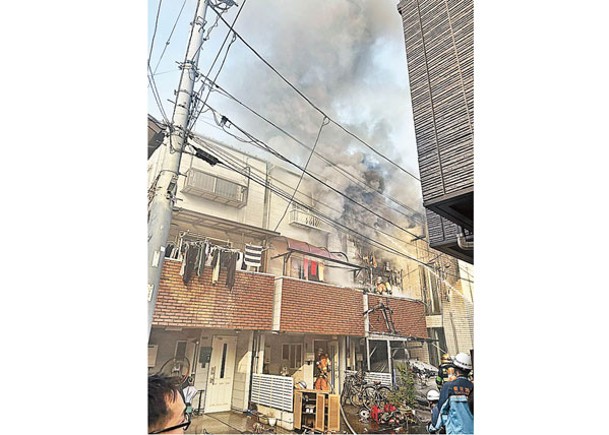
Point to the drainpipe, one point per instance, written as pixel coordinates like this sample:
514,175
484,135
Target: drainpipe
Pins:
366,328
252,362
463,244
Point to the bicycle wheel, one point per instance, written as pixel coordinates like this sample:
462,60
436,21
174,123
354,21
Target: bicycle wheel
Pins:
383,395
355,396
344,395
369,397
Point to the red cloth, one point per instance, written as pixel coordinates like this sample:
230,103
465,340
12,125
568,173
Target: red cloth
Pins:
314,268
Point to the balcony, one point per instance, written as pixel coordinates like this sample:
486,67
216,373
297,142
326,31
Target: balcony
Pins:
215,188
303,218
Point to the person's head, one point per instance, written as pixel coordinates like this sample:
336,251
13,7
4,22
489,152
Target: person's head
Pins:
432,397
462,363
320,351
446,359
166,407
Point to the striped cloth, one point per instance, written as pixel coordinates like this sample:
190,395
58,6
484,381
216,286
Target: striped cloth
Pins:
253,255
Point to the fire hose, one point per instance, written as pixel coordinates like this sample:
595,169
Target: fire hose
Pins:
345,419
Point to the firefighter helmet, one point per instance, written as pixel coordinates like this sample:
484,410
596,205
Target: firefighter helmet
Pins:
446,359
463,361
302,385
433,395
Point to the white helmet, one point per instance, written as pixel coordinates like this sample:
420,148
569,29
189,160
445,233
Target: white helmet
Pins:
463,361
433,395
302,384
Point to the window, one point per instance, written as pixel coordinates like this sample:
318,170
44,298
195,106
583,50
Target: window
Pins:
180,349
293,354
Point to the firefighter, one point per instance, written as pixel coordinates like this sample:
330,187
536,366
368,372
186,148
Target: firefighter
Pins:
323,368
432,399
446,371
454,409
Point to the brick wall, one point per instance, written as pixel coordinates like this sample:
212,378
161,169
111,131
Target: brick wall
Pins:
202,305
321,309
408,316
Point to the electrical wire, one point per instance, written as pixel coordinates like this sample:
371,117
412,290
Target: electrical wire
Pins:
194,120
239,166
168,39
155,94
156,25
268,148
416,217
313,104
323,123
322,216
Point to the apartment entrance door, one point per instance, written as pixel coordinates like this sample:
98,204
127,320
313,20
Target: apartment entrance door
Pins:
221,373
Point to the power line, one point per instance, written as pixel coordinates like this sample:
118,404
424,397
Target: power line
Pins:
333,165
156,24
155,94
311,103
266,147
323,123
333,222
168,39
214,63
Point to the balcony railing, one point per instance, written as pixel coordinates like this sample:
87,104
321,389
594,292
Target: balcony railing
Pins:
215,188
304,218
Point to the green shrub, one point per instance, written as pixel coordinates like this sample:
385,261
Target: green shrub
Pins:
404,394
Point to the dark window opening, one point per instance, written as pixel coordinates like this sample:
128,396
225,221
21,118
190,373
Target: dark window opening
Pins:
223,364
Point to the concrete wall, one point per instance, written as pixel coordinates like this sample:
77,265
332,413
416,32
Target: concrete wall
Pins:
243,361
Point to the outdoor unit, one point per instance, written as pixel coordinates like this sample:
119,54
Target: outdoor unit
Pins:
215,188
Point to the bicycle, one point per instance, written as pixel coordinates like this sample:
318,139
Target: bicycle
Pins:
353,389
375,394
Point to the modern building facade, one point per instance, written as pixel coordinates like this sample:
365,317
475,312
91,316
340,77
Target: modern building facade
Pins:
439,38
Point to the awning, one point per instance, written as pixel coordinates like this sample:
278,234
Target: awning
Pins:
189,217
317,252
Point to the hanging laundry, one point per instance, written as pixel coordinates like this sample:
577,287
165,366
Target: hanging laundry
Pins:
200,267
183,251
313,271
190,260
240,261
231,269
215,273
321,271
306,268
253,255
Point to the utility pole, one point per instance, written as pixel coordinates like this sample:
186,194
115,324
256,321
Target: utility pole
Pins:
161,206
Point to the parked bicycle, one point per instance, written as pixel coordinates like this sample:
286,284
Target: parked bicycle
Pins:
375,394
360,393
353,389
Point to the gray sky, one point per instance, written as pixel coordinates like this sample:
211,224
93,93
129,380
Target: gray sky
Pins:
347,56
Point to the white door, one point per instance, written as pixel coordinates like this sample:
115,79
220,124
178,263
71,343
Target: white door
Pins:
221,372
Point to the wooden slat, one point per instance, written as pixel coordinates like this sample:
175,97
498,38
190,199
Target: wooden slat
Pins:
320,412
334,412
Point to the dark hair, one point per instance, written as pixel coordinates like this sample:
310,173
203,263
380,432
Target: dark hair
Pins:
160,388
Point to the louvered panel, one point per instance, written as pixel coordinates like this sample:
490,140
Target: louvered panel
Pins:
333,412
320,414
383,378
274,391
